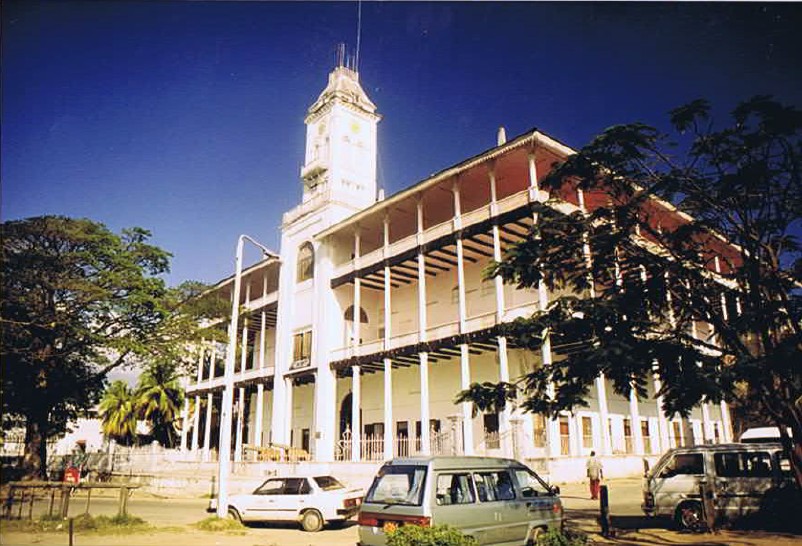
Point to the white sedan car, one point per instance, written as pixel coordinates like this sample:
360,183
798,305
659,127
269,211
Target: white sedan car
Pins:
312,501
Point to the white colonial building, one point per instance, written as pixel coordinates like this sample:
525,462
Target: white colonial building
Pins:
356,338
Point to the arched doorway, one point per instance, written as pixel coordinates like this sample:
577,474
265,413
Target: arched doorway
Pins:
345,414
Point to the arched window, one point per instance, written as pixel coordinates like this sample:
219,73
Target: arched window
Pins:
306,262
349,314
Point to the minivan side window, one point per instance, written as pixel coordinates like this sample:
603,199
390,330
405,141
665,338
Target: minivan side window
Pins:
743,464
684,463
494,486
454,489
531,485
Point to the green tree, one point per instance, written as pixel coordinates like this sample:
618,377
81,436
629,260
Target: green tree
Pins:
79,301
159,398
686,262
118,413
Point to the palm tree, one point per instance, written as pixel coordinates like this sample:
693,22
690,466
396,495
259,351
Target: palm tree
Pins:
118,412
159,399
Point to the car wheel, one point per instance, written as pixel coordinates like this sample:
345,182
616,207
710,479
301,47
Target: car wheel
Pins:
689,517
312,521
234,514
536,537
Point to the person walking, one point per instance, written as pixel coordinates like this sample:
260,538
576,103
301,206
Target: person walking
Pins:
595,474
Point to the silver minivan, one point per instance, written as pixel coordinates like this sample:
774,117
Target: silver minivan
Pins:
739,476
497,501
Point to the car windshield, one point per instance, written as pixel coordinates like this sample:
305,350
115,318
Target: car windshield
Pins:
398,485
327,483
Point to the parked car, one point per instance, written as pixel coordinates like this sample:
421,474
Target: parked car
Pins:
759,435
313,501
741,477
497,501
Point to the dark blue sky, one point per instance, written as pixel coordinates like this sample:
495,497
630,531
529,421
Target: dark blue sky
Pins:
186,118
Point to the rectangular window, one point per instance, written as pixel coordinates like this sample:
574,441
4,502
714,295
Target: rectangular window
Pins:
305,439
677,428
628,447
398,485
685,464
565,436
539,430
743,464
490,421
301,349
647,440
454,489
494,486
587,432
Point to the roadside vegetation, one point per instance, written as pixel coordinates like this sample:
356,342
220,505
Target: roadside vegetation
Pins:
224,525
83,524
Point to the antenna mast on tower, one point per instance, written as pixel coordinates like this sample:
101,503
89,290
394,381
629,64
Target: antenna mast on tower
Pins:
358,34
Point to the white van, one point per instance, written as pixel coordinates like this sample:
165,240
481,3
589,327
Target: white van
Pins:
740,477
496,501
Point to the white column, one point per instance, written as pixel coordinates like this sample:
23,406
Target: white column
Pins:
184,423
240,420
287,413
604,416
425,438
389,434
533,184
357,298
258,431
662,423
388,409
726,422
465,382
505,416
207,434
243,360
201,354
421,279
634,422
499,283
212,361
356,402
707,424
196,424
424,357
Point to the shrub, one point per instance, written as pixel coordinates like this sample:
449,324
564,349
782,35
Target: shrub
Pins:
564,538
438,535
213,523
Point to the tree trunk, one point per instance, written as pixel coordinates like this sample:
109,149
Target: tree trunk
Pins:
35,455
792,444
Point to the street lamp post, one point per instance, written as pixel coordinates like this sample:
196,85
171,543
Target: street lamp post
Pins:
224,449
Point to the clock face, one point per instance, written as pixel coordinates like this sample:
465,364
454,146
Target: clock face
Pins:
355,127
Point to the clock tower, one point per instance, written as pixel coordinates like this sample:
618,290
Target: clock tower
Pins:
340,159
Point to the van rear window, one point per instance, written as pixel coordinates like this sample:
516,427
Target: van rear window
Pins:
398,485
